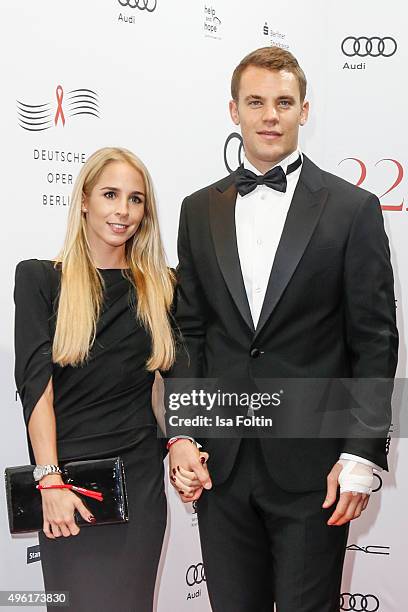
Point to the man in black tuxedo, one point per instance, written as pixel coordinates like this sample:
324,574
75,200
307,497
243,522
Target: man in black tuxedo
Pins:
284,272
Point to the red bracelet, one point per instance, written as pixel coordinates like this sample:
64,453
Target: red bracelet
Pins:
173,441
95,494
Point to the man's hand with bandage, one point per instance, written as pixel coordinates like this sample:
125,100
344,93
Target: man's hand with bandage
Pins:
355,477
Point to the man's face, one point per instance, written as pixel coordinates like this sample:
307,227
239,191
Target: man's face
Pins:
269,111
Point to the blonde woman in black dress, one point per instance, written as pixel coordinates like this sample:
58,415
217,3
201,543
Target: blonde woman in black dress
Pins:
91,328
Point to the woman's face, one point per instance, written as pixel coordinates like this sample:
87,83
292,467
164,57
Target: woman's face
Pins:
115,207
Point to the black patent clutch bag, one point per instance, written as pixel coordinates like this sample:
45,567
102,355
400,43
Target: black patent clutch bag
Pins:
106,476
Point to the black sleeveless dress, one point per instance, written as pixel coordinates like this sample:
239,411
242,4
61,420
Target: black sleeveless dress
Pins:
102,409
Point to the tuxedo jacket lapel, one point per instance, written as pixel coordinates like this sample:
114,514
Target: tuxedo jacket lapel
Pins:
307,205
222,222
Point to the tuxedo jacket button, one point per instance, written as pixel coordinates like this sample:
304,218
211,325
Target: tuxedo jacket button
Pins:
255,352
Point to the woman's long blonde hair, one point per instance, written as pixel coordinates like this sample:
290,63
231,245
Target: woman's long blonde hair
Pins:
82,286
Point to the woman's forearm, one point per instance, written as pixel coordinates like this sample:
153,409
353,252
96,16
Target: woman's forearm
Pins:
42,429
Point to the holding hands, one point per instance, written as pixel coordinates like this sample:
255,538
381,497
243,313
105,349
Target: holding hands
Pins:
188,470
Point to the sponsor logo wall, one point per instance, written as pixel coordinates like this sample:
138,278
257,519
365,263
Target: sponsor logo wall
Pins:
153,76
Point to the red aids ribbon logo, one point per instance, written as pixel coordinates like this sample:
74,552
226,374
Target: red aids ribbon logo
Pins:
60,113
82,102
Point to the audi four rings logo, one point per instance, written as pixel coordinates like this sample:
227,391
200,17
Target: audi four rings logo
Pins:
369,47
195,574
142,5
359,602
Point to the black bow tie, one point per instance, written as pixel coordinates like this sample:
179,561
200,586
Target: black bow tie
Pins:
246,181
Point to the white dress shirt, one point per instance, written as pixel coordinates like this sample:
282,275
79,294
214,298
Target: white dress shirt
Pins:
259,219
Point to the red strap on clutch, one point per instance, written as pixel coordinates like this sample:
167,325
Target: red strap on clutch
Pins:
94,494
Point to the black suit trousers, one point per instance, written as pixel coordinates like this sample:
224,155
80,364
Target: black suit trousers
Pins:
264,545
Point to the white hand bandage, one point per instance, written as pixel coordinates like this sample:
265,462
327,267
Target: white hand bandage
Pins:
355,477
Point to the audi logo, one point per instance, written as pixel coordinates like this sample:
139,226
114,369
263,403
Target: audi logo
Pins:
233,152
359,602
195,574
369,47
142,5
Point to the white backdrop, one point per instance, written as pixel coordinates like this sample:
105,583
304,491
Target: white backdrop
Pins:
153,76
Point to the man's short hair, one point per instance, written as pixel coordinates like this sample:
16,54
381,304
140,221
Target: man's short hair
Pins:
270,58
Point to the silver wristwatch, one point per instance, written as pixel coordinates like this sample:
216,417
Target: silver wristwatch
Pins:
43,470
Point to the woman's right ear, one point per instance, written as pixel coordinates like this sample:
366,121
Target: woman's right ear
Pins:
83,205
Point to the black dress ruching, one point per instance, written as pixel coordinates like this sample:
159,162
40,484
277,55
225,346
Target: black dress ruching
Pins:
102,409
